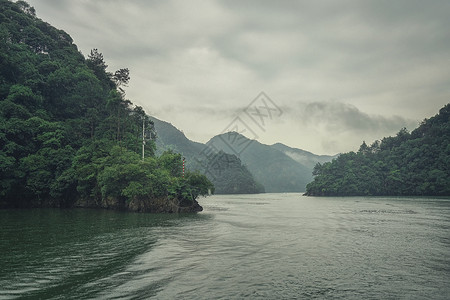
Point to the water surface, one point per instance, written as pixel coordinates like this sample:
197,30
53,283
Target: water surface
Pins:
269,246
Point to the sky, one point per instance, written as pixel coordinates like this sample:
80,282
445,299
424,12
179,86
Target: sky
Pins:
317,75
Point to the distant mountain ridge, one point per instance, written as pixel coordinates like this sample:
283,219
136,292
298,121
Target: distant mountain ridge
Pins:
279,168
303,157
225,170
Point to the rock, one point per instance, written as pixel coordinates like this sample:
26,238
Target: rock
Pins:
163,205
157,205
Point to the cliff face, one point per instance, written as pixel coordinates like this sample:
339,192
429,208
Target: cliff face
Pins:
158,205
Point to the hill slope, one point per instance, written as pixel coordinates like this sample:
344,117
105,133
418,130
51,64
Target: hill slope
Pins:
170,137
416,163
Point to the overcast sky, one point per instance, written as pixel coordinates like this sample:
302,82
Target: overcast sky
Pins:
340,72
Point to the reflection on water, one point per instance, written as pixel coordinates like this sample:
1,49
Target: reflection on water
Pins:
265,246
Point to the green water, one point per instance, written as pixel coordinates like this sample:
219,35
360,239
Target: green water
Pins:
270,246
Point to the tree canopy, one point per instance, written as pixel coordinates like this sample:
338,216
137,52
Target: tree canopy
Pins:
67,131
416,163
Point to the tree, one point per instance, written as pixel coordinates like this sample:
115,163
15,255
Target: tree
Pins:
67,133
96,61
414,163
121,78
172,162
363,149
26,8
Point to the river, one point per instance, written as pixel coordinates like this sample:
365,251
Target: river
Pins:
268,246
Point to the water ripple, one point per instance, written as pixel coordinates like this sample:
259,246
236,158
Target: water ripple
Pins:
245,246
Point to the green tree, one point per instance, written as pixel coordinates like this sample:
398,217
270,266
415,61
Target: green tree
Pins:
415,163
67,132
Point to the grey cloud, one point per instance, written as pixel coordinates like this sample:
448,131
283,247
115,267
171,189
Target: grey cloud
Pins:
354,32
207,59
213,112
338,117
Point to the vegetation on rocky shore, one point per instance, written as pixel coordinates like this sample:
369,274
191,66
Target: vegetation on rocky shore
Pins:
68,134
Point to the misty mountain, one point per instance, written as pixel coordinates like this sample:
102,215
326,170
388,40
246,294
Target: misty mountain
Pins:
303,157
278,167
224,170
170,137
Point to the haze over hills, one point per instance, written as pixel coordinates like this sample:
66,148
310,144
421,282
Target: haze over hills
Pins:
303,157
224,170
278,168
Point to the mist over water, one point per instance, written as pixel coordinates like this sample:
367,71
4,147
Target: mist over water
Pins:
268,246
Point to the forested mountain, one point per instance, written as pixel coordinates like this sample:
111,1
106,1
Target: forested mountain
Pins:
276,167
68,135
229,175
416,163
224,170
170,137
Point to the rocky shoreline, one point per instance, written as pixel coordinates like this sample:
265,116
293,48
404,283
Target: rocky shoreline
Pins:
158,205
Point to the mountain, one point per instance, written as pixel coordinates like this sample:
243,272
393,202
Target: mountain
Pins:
224,170
170,137
409,164
278,168
229,175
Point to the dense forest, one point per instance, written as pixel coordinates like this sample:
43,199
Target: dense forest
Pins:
229,175
409,164
68,134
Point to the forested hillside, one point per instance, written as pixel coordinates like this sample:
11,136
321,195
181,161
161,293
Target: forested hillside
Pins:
170,137
68,134
416,163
